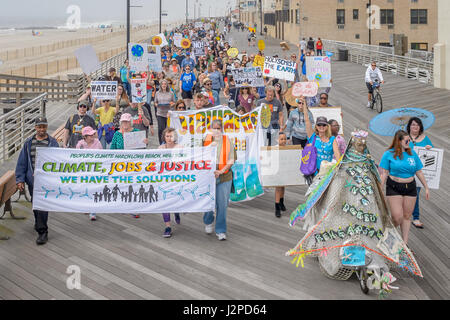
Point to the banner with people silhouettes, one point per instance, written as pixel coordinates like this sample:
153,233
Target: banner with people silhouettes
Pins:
244,132
125,181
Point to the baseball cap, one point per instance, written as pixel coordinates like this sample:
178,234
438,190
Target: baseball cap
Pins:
40,120
125,117
322,120
112,69
188,53
88,131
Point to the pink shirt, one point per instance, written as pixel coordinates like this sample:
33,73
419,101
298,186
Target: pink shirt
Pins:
83,145
342,145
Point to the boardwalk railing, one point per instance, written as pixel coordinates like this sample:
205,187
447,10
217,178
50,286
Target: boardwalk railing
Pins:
412,68
18,88
18,124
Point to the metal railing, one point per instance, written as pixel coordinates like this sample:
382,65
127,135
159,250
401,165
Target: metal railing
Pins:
408,67
17,125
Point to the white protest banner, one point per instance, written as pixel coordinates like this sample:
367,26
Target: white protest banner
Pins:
104,90
138,90
280,166
244,131
334,113
248,77
87,59
138,56
134,140
125,181
154,58
306,89
279,68
319,69
432,165
198,48
177,37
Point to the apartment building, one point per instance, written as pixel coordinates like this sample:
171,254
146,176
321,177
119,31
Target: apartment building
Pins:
348,20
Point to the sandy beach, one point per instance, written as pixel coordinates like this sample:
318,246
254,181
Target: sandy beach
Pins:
26,55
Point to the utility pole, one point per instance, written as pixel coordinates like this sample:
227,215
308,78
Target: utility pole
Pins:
128,25
187,11
260,17
370,22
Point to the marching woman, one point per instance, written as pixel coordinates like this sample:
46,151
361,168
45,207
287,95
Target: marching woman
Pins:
226,156
399,166
418,139
320,137
169,142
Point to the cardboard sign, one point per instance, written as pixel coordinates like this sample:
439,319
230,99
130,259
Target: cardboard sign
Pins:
248,77
259,61
138,90
87,59
104,90
330,113
154,58
432,165
279,68
177,37
164,40
306,89
280,166
138,56
233,52
318,69
134,140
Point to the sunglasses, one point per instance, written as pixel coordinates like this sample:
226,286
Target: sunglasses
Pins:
323,98
322,125
208,84
406,140
82,106
181,108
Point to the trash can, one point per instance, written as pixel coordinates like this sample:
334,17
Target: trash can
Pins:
343,54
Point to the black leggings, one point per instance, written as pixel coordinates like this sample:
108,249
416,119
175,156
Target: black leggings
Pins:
162,124
297,141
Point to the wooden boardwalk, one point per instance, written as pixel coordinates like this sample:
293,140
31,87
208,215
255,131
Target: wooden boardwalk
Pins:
125,258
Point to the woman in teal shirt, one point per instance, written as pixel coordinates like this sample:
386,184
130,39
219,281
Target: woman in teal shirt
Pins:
418,139
399,165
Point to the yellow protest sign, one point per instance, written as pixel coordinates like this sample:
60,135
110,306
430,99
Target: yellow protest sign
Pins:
233,52
261,45
259,61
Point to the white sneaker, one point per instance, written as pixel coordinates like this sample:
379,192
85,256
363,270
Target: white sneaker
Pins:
368,104
221,236
209,228
92,216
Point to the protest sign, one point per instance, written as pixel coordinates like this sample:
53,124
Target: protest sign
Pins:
233,52
279,68
163,39
432,165
154,58
138,90
138,56
280,166
318,69
177,37
104,90
330,113
245,132
125,181
87,59
306,89
248,77
134,140
198,48
259,61
198,24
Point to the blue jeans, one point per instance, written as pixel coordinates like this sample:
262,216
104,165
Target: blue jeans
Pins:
105,145
127,88
416,212
223,191
149,97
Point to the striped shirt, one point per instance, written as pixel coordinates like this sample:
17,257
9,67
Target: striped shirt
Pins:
37,143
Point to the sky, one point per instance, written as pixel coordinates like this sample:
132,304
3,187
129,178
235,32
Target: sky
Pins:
16,13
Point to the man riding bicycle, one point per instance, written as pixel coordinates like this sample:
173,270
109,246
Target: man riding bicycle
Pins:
373,74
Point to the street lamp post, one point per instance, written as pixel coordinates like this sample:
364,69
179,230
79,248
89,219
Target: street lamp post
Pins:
128,22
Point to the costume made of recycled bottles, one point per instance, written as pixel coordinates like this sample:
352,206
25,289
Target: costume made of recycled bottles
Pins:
347,219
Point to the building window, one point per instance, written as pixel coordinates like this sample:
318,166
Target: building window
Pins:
387,16
297,16
340,16
269,19
357,36
423,46
292,16
419,16
355,14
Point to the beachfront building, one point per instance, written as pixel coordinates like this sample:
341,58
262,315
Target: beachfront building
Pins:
347,20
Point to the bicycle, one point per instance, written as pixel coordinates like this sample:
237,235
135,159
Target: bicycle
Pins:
377,101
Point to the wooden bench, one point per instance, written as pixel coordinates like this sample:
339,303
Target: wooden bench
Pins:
8,188
58,134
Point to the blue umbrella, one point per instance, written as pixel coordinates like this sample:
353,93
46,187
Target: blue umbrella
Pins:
389,122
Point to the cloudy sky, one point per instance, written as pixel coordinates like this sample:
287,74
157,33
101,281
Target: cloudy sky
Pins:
15,13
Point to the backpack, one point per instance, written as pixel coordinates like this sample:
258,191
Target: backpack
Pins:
308,165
